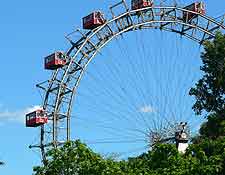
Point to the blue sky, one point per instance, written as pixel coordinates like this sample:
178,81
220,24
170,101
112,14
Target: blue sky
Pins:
29,31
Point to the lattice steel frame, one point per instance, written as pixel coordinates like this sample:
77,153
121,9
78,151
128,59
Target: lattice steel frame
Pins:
60,89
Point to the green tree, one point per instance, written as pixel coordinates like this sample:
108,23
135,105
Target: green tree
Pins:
75,158
214,127
209,156
210,89
205,158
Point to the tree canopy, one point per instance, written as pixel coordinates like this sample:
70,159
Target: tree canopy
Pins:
75,158
209,91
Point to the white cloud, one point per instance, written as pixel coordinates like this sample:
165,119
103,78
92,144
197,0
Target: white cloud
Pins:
147,109
15,116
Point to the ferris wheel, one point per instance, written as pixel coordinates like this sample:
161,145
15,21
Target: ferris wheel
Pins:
131,94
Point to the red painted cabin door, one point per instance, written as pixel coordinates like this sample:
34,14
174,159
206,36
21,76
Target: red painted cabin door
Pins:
198,7
36,118
93,20
137,4
54,61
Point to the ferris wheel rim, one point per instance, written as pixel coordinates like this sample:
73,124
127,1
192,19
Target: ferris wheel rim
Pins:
137,27
89,35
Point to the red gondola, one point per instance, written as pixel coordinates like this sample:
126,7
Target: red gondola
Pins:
198,7
55,61
36,118
93,20
137,4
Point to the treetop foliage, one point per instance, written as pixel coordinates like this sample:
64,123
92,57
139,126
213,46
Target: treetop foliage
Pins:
209,91
75,158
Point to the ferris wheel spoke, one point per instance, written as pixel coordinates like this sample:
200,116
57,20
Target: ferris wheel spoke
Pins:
114,130
126,104
148,55
136,77
114,141
121,131
114,116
